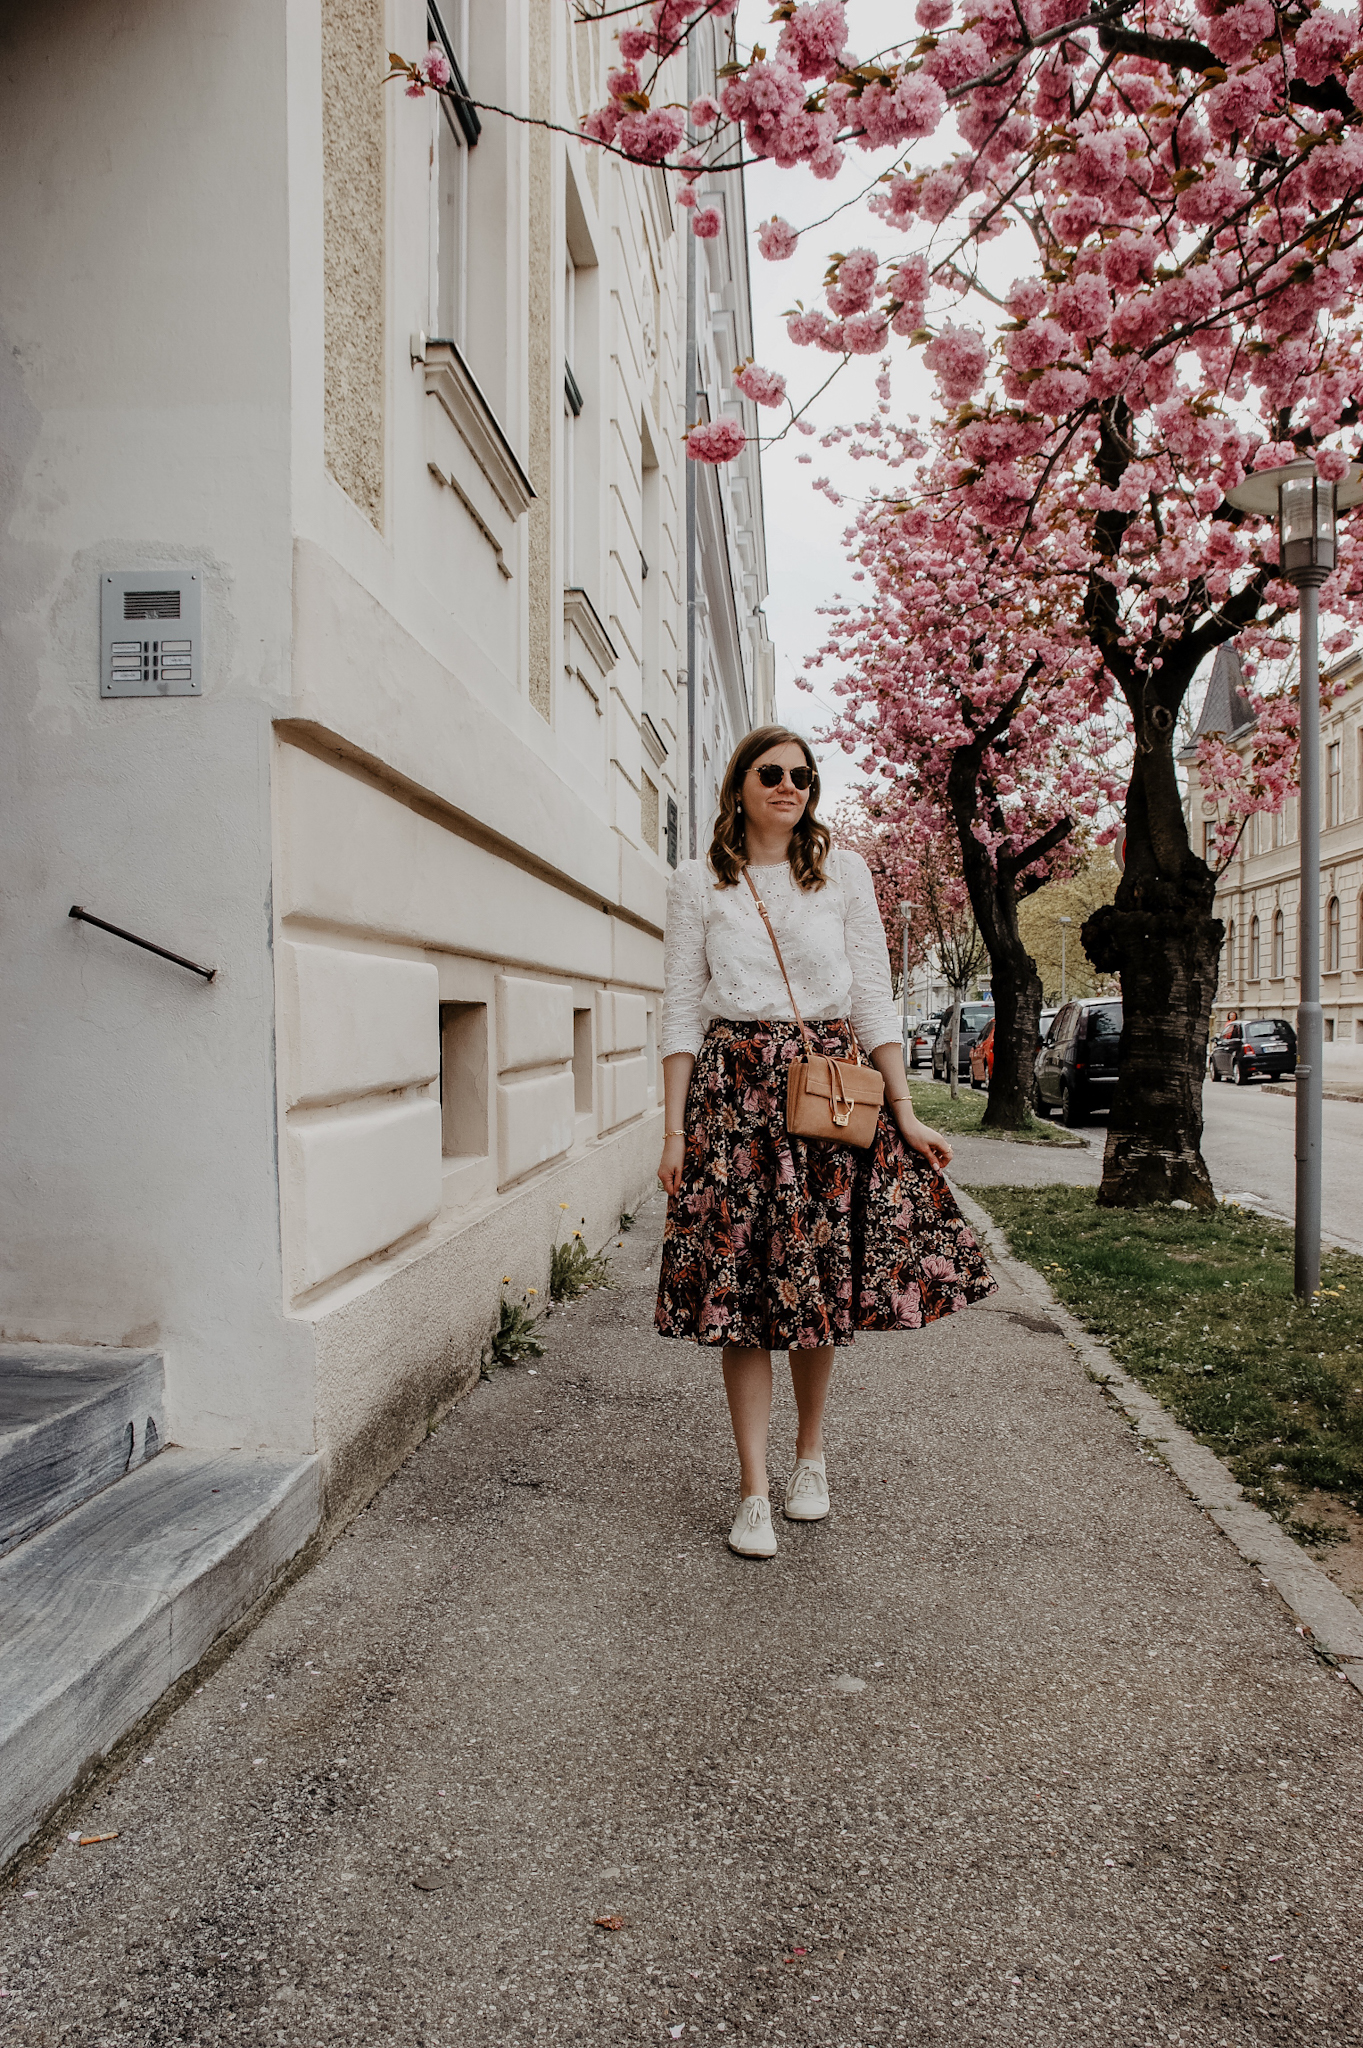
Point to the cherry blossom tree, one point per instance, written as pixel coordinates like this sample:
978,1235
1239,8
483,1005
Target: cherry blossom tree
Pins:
970,691
1182,181
914,858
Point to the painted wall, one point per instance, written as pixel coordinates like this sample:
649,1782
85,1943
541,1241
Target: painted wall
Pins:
416,819
146,409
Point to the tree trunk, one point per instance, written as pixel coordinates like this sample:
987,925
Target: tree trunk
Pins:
1160,936
955,1054
994,888
1017,1011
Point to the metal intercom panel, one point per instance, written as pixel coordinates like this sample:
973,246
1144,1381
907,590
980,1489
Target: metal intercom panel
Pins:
151,633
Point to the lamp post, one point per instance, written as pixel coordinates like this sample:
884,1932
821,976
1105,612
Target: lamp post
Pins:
1064,924
906,911
1306,505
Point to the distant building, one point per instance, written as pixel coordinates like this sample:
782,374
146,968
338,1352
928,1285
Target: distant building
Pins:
1258,896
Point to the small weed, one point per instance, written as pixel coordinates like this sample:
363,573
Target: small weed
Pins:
1319,1535
514,1337
573,1270
626,1221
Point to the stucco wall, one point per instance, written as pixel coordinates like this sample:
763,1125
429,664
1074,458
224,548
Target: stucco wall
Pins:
145,257
353,109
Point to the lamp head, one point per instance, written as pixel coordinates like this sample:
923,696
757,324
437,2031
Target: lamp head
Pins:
1306,507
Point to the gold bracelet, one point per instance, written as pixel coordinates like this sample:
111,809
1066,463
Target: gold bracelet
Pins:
673,1134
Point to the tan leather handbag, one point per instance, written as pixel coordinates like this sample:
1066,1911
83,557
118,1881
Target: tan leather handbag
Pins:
836,1100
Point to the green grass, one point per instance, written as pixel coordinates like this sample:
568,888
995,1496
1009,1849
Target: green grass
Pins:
932,1100
1198,1306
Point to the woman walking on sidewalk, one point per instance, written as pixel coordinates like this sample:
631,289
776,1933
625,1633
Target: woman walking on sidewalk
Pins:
775,959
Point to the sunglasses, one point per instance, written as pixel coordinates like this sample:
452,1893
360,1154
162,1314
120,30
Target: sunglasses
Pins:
771,777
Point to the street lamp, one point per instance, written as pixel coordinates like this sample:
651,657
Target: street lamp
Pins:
1064,924
1306,506
906,911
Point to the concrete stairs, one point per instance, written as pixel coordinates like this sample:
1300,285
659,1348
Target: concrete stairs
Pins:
120,1560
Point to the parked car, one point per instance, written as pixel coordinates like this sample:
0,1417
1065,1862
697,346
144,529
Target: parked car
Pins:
1258,1051
1044,1023
974,1018
982,1058
920,1044
1076,1068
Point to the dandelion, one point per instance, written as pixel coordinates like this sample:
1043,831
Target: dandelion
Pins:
506,1279
529,1291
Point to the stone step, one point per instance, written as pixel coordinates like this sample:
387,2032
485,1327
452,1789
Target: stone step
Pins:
105,1609
72,1421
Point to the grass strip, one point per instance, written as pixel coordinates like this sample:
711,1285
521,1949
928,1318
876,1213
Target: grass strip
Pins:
1198,1306
932,1100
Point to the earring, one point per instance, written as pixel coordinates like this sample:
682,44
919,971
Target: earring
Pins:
738,804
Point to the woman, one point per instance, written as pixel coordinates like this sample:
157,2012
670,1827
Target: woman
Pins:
771,1240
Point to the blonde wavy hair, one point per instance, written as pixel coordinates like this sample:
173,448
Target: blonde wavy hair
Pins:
811,838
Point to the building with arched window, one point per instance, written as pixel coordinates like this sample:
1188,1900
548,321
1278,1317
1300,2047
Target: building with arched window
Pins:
1258,891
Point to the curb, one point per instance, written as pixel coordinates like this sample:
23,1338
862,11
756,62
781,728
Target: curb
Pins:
1327,1617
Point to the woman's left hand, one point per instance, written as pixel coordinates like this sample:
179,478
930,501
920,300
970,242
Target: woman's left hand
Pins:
919,1138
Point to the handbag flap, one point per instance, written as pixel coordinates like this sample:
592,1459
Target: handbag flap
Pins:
856,1084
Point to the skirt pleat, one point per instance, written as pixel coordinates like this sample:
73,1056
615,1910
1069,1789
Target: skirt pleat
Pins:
782,1243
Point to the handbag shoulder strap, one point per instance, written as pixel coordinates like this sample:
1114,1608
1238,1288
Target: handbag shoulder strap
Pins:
762,913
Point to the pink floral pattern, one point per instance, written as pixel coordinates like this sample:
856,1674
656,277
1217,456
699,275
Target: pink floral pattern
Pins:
786,1245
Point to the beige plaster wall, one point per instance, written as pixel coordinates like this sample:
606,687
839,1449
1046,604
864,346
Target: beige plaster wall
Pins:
353,105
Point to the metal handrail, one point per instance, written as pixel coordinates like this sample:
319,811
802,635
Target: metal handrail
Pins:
85,917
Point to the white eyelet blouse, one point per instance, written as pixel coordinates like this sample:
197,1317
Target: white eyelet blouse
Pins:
718,960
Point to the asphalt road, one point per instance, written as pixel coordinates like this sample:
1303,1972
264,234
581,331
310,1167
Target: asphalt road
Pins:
1013,1749
1249,1144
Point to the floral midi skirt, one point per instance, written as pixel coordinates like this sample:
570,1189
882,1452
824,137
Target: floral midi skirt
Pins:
780,1243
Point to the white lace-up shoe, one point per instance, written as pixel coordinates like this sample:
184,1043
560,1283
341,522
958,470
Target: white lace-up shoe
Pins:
752,1534
806,1492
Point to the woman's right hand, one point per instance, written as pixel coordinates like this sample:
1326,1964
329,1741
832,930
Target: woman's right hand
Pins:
670,1166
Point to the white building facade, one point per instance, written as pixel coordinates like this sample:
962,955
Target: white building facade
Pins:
345,623
1258,896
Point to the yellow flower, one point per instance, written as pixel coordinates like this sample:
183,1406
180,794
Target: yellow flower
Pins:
531,1290
577,1233
563,1205
506,1279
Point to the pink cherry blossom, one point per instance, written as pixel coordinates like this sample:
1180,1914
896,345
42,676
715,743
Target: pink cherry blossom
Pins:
764,387
718,441
776,239
704,112
707,222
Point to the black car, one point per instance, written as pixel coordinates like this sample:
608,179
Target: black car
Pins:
1258,1051
1076,1068
976,1018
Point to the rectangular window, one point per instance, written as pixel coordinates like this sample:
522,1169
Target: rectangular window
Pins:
463,1080
1333,808
454,126
671,831
582,1061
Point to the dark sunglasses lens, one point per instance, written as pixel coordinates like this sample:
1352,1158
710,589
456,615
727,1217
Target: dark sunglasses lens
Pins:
801,777
770,776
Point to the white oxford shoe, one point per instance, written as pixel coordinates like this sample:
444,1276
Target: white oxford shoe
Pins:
752,1534
806,1492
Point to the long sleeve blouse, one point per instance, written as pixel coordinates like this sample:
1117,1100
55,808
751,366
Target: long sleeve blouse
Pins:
718,960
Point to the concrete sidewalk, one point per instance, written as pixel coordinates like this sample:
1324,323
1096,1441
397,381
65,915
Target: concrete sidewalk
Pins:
1013,1749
